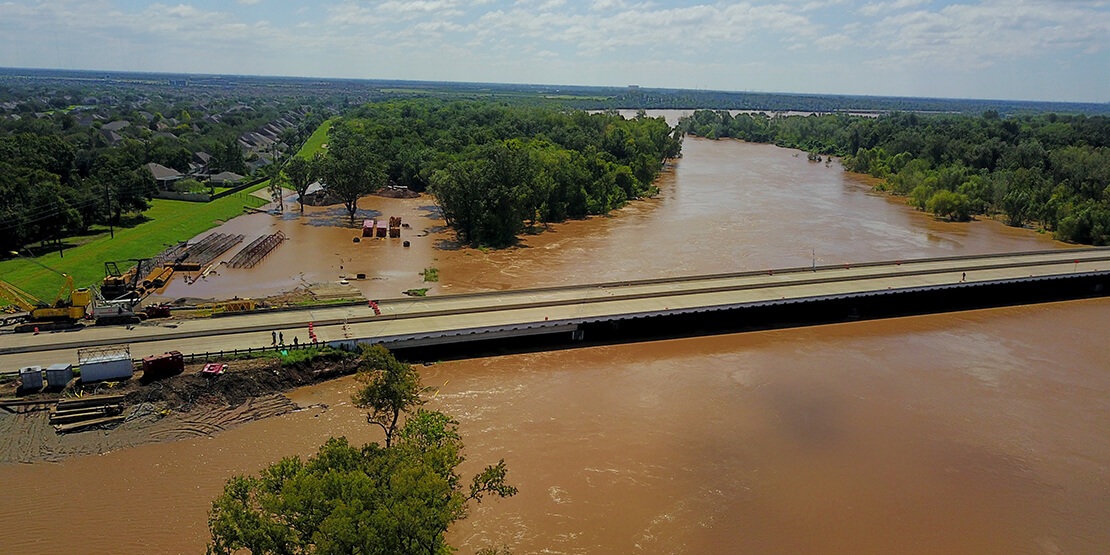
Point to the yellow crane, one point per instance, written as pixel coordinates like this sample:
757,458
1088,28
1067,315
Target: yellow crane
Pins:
69,304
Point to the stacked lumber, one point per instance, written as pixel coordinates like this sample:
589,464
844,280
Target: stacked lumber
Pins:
77,414
18,406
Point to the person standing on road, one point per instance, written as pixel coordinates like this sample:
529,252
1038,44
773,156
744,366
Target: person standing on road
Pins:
281,338
273,341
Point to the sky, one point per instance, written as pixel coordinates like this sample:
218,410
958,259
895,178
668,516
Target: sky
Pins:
1057,50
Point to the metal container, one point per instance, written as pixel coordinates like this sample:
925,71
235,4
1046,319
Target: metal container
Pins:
59,375
105,363
156,367
30,378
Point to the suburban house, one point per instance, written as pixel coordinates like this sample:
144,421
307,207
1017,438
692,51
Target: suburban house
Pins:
111,137
224,179
116,125
165,177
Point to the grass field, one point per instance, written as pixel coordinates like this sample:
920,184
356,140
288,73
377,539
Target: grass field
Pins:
316,142
170,221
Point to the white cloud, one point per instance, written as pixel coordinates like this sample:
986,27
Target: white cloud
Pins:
833,42
708,43
967,37
606,5
872,9
707,24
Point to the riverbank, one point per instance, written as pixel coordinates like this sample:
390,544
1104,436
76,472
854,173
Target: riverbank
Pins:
185,406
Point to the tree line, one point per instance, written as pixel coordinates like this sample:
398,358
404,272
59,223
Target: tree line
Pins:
1048,169
496,168
49,189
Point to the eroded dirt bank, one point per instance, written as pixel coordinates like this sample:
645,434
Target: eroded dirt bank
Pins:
186,406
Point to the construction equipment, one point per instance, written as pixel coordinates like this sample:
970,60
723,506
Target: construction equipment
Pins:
157,311
114,312
67,308
118,285
64,312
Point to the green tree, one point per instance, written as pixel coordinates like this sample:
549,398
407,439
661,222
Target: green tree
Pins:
947,204
374,500
229,157
389,389
350,173
298,174
397,499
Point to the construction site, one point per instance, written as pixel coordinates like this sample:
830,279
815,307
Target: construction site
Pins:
237,267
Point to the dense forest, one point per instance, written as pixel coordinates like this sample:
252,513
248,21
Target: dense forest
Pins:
496,168
1049,169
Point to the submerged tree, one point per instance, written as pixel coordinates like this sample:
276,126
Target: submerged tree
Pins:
350,172
298,173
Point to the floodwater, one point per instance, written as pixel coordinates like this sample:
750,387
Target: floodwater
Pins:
320,247
735,206
725,206
976,432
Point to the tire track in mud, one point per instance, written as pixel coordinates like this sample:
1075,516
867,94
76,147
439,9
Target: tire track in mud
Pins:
216,420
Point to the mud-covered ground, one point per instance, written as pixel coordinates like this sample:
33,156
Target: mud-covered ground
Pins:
184,406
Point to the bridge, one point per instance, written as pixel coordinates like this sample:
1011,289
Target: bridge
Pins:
616,311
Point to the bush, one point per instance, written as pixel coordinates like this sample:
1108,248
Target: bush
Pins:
946,204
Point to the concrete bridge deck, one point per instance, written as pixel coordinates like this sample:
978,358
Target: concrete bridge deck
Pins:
412,322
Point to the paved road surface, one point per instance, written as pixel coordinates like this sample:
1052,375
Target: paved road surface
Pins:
437,316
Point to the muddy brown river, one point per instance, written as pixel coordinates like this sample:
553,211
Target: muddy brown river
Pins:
975,432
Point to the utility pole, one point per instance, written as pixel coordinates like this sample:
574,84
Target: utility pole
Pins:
108,203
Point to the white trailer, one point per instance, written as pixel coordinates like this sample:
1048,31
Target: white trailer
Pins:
111,362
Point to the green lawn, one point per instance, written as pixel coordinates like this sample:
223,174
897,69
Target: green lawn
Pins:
316,142
171,221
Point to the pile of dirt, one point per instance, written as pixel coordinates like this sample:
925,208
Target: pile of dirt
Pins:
392,192
180,407
244,380
315,293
